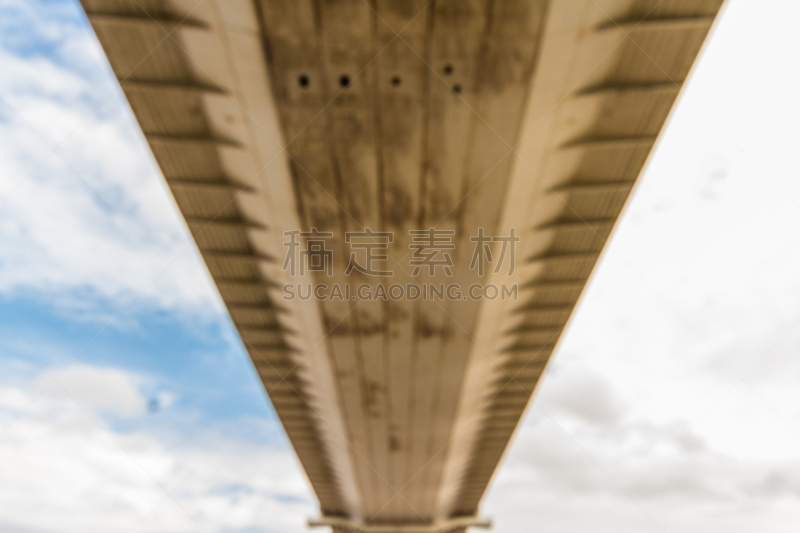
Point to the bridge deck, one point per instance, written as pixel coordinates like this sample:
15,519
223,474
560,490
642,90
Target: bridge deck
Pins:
269,116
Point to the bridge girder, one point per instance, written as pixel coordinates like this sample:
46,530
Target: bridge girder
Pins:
268,116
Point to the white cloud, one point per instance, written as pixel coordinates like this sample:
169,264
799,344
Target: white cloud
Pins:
65,472
93,222
677,382
576,473
106,390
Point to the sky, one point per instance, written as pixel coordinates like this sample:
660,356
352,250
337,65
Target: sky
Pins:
127,402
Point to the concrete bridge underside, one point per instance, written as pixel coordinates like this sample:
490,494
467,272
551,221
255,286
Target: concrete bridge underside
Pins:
267,116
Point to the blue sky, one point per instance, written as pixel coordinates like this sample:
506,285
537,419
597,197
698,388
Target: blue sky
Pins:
194,355
673,403
107,311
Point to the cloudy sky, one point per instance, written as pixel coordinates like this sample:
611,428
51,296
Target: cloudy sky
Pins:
127,403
